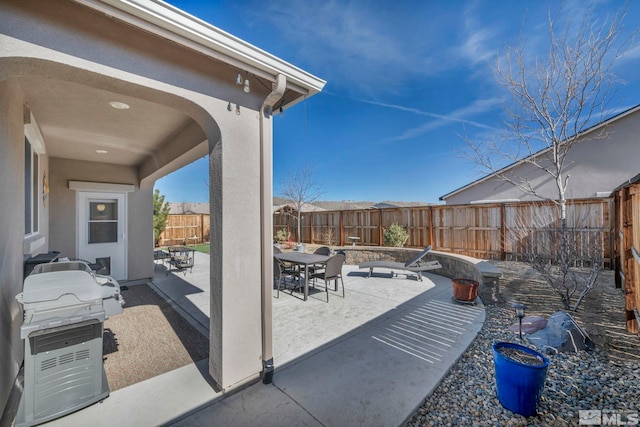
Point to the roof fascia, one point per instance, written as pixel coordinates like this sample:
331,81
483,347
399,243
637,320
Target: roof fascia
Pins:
543,151
178,26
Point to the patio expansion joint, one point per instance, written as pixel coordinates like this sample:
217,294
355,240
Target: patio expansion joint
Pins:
293,399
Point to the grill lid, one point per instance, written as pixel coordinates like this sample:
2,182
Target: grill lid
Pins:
52,286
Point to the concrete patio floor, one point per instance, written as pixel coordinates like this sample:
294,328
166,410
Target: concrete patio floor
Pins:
367,359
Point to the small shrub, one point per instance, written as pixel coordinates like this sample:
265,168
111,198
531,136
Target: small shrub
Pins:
395,236
281,235
328,237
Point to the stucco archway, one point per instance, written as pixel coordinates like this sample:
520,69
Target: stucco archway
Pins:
199,134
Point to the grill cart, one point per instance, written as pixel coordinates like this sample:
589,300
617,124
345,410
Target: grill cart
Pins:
65,306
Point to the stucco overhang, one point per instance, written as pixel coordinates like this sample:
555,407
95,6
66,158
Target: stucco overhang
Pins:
147,54
178,26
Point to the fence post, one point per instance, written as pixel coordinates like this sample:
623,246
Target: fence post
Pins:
341,231
201,228
380,229
430,231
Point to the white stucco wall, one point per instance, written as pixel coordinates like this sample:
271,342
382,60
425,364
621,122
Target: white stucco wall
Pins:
595,165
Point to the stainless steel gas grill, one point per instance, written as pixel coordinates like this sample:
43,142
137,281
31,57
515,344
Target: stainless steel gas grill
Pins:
65,306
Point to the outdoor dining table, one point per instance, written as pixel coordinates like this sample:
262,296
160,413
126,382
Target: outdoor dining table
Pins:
303,259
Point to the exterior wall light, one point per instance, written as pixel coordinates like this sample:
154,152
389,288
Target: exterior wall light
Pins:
119,105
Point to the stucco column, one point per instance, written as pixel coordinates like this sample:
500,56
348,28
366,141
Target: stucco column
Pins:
235,355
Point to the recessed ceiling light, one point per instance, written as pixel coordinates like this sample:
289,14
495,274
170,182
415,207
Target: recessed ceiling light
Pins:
101,151
119,105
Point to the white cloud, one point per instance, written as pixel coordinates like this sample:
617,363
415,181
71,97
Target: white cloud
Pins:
374,47
632,54
479,44
460,115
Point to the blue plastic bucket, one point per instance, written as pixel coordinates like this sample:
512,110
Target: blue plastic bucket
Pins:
519,385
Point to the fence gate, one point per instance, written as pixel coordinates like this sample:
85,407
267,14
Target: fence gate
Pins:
186,229
627,232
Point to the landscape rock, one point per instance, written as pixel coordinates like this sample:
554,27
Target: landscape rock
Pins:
530,324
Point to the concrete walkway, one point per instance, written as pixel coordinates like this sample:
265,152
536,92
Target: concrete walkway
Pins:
368,359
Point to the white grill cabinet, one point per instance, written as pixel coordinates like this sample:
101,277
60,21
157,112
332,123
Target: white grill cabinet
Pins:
65,306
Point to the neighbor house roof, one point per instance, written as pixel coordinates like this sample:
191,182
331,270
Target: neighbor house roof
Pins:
591,129
306,207
393,204
177,208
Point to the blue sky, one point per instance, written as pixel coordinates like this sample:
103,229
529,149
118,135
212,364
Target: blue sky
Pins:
405,79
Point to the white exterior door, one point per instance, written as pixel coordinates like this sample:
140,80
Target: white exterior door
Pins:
102,231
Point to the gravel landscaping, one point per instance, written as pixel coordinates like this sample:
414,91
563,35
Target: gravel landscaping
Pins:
607,378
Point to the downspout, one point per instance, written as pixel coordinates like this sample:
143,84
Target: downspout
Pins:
266,223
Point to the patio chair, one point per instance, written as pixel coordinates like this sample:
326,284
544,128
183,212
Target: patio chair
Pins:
332,271
280,274
323,250
287,268
414,265
159,255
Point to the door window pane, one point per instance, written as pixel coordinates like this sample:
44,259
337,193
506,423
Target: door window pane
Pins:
103,232
103,221
103,211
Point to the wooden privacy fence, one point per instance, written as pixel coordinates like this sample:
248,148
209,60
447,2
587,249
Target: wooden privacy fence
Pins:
186,229
627,232
487,231
505,231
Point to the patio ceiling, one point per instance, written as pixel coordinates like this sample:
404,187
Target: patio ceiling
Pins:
77,120
72,108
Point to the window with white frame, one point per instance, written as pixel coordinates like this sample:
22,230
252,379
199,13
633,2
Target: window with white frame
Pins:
31,187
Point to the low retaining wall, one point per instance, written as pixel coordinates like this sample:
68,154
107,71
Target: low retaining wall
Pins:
453,265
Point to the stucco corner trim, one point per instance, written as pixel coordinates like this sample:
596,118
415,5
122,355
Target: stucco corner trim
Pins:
101,187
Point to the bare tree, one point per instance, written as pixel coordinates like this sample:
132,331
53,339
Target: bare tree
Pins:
556,98
538,235
300,188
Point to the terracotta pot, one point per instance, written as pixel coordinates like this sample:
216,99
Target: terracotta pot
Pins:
465,289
